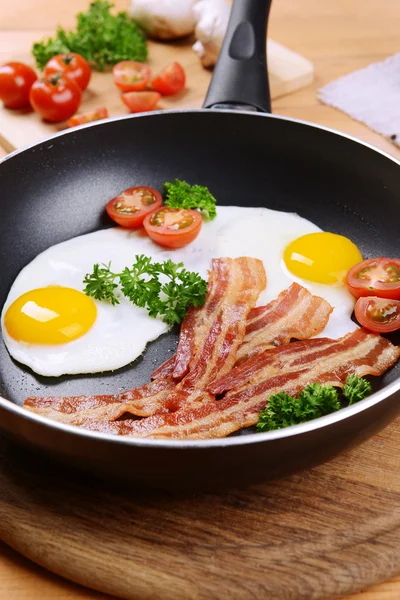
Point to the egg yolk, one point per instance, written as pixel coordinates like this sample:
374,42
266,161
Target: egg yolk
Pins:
321,257
50,315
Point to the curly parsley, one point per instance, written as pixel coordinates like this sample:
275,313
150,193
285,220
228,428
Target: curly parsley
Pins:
100,284
164,289
100,37
316,400
179,194
356,388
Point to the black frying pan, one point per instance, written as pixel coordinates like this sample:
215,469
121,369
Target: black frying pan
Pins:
57,189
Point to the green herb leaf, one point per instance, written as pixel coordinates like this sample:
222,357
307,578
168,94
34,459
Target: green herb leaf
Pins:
320,399
316,400
140,283
46,49
184,289
356,388
179,194
164,289
283,410
101,284
100,37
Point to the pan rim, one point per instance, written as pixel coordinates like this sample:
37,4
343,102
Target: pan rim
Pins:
252,438
154,113
294,430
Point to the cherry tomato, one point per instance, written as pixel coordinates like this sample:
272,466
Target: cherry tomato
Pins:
380,315
375,277
141,101
131,76
16,79
55,98
173,227
170,80
131,207
87,117
72,66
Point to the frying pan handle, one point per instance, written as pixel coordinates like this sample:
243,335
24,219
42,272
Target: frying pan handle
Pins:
240,76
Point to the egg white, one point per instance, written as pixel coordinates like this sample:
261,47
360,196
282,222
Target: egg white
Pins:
120,333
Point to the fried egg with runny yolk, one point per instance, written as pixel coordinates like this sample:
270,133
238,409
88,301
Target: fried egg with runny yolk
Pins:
322,257
51,326
50,315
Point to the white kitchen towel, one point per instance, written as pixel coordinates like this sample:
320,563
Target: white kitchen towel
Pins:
370,95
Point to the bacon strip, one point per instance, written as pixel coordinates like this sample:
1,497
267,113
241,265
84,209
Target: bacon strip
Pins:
110,411
363,354
165,369
273,360
221,324
178,364
290,357
227,278
199,416
220,328
295,314
144,400
195,323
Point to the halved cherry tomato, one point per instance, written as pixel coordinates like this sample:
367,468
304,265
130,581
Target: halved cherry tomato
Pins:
131,207
87,117
173,227
131,76
141,101
73,67
55,98
380,315
170,80
375,277
16,80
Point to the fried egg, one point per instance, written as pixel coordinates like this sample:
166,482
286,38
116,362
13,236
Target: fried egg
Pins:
51,326
322,257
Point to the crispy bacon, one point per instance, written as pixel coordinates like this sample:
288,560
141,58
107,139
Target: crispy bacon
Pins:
178,364
110,411
233,288
192,330
295,314
360,352
165,369
292,357
195,323
220,328
290,369
144,400
180,402
271,360
221,324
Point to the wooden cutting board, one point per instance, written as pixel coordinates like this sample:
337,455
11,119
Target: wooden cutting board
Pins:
288,72
327,532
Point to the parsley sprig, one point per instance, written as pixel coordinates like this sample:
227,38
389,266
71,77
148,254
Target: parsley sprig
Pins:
316,400
179,194
100,37
164,289
356,388
101,284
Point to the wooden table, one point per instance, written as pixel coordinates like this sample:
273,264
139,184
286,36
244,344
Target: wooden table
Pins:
338,37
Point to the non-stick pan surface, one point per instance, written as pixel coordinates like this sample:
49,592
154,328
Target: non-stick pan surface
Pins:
57,189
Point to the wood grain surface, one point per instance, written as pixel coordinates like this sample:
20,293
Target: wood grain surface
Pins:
288,71
314,536
322,534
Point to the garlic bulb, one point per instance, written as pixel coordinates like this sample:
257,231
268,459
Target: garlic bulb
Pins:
211,17
164,19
